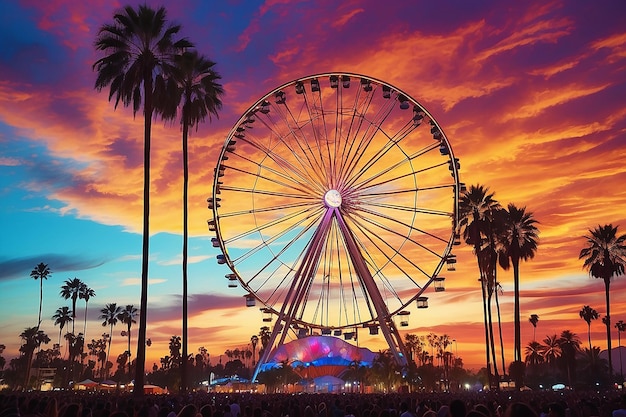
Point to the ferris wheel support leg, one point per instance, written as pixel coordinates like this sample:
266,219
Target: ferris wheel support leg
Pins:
302,278
384,320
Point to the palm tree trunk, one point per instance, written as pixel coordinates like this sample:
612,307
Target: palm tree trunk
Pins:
106,361
589,333
487,353
85,324
491,338
607,283
518,333
141,338
500,332
40,301
183,373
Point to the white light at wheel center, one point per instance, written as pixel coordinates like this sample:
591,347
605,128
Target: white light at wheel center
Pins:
332,198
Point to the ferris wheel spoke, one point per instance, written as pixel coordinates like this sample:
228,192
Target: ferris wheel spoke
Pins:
365,140
310,163
300,183
272,223
392,142
267,192
408,209
274,238
290,171
278,208
276,257
366,183
373,194
369,233
394,220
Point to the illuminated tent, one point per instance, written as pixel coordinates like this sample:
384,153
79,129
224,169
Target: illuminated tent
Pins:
316,356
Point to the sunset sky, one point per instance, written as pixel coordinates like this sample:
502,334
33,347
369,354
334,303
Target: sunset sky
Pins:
531,96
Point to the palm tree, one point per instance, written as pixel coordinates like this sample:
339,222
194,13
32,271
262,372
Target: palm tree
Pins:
110,315
476,208
254,340
518,242
551,349
32,338
587,313
128,316
194,89
40,272
139,48
570,346
410,342
591,364
534,353
534,319
620,326
605,257
71,289
62,316
86,294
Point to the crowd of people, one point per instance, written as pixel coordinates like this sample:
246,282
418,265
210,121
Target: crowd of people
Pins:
206,404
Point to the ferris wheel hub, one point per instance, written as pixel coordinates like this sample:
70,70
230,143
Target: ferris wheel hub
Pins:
332,198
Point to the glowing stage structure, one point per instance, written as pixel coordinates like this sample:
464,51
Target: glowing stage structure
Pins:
335,207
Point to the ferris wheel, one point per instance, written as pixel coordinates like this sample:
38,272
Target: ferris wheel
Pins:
335,207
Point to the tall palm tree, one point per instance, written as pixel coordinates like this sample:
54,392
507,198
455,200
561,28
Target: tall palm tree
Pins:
621,327
587,313
476,209
605,257
128,316
534,319
71,290
518,241
139,48
86,294
62,316
110,315
195,92
40,272
254,340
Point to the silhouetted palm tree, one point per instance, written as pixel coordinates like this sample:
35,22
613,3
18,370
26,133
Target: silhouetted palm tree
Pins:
40,272
128,316
254,340
534,353
71,290
605,257
518,240
570,346
476,209
534,319
86,294
551,349
195,91
32,338
587,313
110,315
62,316
139,48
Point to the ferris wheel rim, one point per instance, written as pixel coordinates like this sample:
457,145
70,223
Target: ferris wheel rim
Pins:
253,109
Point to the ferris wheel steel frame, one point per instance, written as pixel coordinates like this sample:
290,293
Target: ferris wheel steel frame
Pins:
338,199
